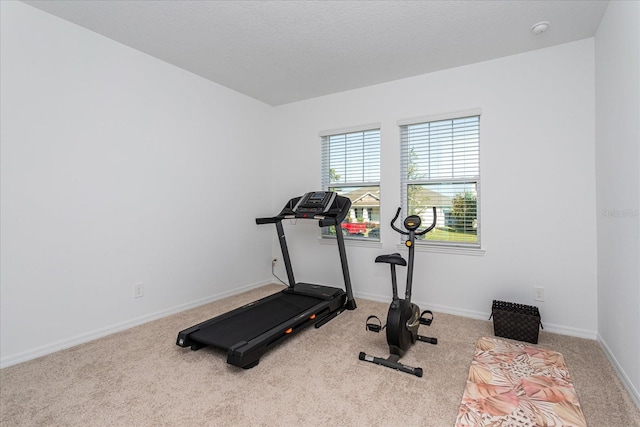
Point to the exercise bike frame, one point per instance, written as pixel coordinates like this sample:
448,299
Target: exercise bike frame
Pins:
403,318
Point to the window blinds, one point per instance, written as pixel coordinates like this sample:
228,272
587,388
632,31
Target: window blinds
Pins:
440,166
442,150
351,159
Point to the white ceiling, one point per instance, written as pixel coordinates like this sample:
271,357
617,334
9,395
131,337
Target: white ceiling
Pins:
285,51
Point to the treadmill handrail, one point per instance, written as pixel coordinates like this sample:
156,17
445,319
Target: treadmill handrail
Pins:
270,220
323,220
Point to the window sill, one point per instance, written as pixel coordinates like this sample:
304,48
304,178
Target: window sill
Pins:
454,250
352,242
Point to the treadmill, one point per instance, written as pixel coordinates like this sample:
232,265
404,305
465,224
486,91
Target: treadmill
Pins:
248,332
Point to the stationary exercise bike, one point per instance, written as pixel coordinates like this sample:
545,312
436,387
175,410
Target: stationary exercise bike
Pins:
404,317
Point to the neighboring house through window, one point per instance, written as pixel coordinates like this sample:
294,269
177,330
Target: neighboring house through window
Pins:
441,168
351,167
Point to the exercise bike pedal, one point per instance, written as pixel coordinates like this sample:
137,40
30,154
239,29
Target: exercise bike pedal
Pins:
374,327
426,321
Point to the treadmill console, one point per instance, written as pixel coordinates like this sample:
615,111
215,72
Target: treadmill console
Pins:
314,203
325,206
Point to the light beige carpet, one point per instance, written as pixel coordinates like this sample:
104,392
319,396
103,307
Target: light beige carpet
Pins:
139,377
517,385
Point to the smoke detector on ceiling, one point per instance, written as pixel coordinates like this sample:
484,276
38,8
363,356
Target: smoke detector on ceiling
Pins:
540,27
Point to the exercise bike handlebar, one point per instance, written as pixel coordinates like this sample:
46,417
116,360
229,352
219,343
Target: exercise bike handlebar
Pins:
432,226
395,218
417,233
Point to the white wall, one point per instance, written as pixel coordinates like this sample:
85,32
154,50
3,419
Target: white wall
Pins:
537,188
618,187
118,168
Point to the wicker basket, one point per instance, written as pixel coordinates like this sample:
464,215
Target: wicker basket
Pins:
516,321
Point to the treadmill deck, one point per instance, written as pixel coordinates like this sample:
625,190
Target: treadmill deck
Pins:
247,324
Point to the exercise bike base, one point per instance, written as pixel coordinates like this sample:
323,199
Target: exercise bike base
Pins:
391,362
427,339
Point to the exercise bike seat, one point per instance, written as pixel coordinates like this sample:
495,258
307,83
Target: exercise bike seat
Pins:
392,259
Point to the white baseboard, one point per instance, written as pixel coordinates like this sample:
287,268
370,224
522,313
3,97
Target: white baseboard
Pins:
479,315
633,391
570,331
118,327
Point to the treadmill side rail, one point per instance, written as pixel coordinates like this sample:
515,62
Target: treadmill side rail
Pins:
316,291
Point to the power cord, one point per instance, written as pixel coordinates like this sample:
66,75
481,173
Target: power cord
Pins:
273,266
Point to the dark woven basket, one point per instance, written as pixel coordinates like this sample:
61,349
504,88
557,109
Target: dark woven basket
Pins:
516,321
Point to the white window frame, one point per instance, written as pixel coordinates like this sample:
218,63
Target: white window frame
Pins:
363,181
441,246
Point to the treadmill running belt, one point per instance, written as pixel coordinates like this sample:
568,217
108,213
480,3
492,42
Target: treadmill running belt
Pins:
254,321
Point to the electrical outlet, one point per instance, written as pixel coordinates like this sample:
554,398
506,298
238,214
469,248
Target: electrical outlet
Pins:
538,293
138,290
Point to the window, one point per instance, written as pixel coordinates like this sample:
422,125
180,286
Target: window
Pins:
351,168
441,168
